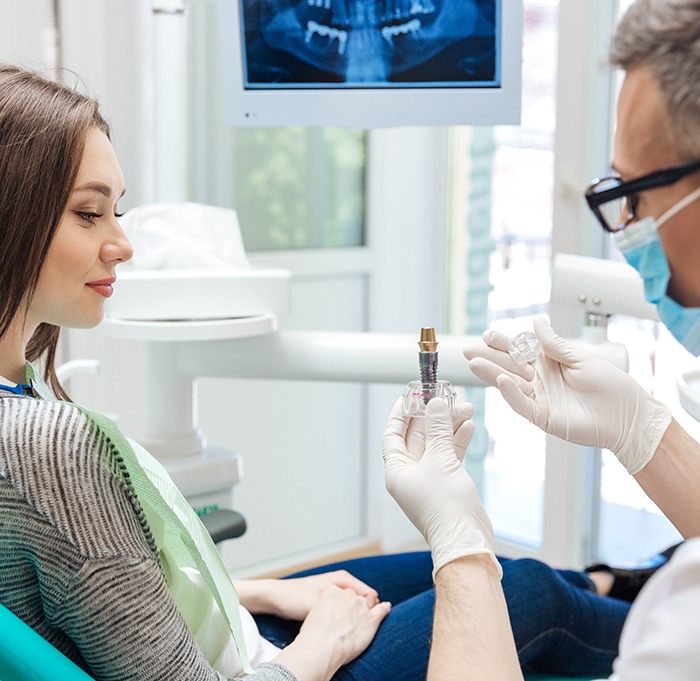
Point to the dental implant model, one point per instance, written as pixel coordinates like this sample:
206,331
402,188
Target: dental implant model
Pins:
419,393
525,347
427,355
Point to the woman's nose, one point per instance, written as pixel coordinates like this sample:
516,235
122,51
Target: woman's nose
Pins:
118,247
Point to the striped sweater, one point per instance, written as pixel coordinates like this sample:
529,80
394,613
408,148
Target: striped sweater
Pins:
77,562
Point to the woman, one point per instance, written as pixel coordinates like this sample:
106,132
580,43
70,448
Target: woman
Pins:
87,572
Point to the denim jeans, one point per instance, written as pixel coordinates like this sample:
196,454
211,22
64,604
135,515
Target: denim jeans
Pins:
560,624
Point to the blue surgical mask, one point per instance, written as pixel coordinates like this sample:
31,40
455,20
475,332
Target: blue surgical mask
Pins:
642,249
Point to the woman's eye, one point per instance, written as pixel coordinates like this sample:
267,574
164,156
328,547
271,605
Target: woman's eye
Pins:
88,216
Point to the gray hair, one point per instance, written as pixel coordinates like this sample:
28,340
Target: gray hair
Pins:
664,36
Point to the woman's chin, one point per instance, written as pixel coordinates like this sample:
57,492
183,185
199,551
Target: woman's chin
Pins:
87,322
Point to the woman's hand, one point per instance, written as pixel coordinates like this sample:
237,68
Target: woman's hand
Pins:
338,627
294,598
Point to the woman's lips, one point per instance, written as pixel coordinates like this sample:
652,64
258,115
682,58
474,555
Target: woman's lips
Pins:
104,288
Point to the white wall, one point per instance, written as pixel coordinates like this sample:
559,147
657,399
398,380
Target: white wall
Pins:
30,38
109,44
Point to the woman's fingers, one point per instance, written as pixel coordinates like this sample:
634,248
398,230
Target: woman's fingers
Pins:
346,580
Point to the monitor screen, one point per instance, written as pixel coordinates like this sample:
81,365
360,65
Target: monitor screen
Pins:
371,63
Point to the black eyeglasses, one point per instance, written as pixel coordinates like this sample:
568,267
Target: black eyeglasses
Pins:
614,202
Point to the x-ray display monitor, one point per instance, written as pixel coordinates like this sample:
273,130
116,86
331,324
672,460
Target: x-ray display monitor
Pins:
371,63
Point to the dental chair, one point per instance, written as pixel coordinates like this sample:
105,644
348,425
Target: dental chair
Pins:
26,656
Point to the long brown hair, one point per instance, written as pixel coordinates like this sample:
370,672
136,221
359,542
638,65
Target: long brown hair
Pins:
43,127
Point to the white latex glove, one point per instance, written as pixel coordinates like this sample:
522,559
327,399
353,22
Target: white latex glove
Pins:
424,473
573,394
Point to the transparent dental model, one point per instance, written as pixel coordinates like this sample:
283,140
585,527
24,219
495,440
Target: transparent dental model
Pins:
525,347
419,393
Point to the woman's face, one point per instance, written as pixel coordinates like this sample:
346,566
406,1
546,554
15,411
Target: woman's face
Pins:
78,272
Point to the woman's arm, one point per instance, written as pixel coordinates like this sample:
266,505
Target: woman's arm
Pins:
119,613
338,628
341,615
293,598
102,597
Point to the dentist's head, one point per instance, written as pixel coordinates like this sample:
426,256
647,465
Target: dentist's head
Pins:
653,201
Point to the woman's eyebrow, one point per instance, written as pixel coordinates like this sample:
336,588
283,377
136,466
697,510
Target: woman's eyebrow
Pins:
100,187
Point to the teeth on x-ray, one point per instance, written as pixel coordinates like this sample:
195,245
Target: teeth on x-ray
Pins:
425,7
388,32
403,9
348,11
313,28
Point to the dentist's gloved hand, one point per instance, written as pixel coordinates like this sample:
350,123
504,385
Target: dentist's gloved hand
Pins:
573,394
424,473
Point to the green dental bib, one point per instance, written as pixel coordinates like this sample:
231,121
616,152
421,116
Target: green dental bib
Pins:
178,533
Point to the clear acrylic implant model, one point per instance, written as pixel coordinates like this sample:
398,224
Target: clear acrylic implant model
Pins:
419,393
525,347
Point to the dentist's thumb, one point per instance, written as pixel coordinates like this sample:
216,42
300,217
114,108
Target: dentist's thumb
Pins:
438,429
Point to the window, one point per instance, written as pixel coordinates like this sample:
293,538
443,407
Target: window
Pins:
505,219
293,188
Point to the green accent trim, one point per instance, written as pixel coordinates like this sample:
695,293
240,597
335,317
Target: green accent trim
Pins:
203,510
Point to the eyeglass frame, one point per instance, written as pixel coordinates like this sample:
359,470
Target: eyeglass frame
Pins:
655,180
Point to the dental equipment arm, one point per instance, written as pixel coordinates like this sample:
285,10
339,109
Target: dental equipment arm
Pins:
424,474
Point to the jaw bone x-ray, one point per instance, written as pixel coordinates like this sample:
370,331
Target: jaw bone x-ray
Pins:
306,43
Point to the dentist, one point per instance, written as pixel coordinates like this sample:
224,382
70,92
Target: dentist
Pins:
652,205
